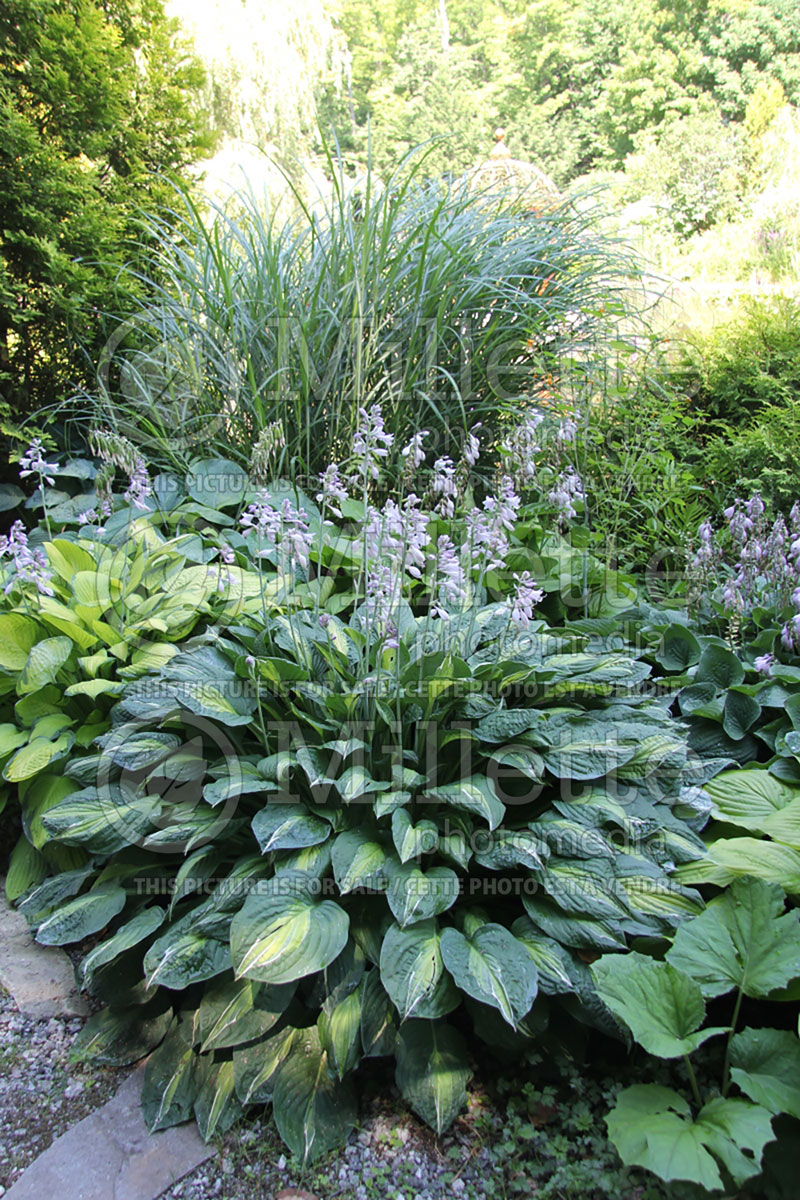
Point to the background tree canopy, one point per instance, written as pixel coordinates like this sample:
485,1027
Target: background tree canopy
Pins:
96,111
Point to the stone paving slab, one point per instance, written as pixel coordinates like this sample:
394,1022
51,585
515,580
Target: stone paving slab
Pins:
40,978
110,1155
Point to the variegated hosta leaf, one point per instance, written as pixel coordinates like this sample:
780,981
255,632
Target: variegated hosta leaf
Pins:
508,848
314,1110
358,861
118,1037
170,1083
411,840
490,965
193,949
86,914
339,1028
474,795
413,972
378,1018
216,1106
231,1013
552,961
285,931
432,1071
415,895
255,1067
130,934
578,930
288,827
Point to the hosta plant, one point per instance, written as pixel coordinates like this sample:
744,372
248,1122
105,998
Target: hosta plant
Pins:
742,945
371,805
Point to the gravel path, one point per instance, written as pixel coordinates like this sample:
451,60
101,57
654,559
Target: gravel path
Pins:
42,1093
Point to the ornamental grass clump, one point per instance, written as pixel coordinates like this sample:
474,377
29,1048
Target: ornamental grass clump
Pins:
332,787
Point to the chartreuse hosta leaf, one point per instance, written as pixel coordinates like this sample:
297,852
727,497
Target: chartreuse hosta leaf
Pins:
765,1065
45,659
432,1071
339,1027
18,636
285,931
652,1127
414,895
314,1110
748,798
413,972
358,861
216,1105
288,827
116,1037
78,918
662,1007
742,940
489,964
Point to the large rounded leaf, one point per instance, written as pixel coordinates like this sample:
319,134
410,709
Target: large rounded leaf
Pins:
415,895
432,1071
412,971
358,861
314,1111
288,827
217,483
78,918
492,966
284,931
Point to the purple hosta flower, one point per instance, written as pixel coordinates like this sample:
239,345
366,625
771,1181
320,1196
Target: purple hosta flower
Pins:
371,442
88,516
763,664
487,530
31,566
472,446
286,527
383,592
705,551
755,506
413,452
139,486
333,490
227,554
794,517
250,661
450,578
520,448
740,523
796,597
568,488
567,430
32,463
526,596
787,638
324,620
444,485
732,596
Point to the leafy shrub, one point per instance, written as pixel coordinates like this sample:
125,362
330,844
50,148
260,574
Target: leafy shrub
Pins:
365,790
743,944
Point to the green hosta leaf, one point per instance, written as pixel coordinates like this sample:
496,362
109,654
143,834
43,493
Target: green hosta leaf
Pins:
284,931
216,1106
679,649
553,963
11,739
358,862
240,1011
491,966
720,667
355,782
506,726
412,840
378,1018
288,827
662,1007
432,1071
43,663
217,483
186,954
131,934
748,798
651,1127
118,1037
26,867
473,795
584,886
742,940
18,636
339,1028
314,1111
578,930
170,1083
415,895
255,1067
740,714
765,1064
86,914
508,848
413,974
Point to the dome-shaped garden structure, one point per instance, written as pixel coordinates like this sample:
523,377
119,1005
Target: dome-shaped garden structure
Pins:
501,175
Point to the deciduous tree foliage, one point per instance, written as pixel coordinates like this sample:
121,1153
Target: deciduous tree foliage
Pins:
95,110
